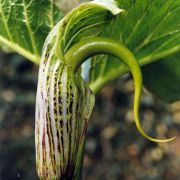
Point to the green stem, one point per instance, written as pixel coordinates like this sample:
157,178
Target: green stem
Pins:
97,85
93,46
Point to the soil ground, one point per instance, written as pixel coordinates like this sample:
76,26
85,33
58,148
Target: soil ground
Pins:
114,148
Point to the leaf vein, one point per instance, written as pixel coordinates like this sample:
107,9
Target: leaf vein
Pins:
4,20
148,38
29,28
138,23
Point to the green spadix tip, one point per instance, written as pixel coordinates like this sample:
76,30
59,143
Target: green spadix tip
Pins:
151,138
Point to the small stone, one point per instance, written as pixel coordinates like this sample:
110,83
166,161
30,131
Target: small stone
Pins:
129,86
161,129
8,95
176,117
149,115
87,162
133,150
130,116
147,99
157,154
91,146
27,130
175,106
109,132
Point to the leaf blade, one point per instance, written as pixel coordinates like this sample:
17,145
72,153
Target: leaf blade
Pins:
163,78
25,24
151,30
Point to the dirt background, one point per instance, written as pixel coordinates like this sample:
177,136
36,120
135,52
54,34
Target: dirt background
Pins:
114,148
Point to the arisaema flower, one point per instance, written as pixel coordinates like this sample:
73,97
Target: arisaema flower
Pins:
64,101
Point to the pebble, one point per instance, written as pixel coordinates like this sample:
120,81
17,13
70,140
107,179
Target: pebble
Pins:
176,117
8,95
157,154
109,132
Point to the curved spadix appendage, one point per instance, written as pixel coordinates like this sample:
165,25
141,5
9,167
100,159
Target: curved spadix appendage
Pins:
93,46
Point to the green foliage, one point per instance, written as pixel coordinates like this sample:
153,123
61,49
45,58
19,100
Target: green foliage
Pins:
163,78
151,30
24,25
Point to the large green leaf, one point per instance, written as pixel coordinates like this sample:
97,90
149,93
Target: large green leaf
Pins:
151,30
163,77
24,25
